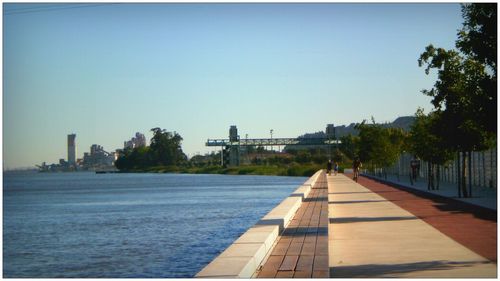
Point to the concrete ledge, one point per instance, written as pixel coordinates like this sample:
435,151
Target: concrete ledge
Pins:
253,250
282,214
248,251
229,267
261,238
303,191
312,180
242,258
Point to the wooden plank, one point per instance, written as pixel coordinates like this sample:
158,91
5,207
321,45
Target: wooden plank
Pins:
289,263
305,263
273,263
308,249
294,249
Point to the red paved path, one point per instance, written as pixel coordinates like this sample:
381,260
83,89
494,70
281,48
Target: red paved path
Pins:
473,227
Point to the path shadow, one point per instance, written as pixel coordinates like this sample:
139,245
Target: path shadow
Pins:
350,192
294,231
316,199
369,219
391,270
354,192
360,201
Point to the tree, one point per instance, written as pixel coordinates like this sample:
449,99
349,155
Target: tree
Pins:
303,156
379,146
165,148
465,92
426,142
478,40
349,146
135,158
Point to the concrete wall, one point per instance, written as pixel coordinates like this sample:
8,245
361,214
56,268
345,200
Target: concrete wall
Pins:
242,258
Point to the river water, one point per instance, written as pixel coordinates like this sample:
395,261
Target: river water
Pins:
90,225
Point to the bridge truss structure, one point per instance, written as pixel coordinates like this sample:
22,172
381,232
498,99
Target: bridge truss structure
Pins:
233,146
271,142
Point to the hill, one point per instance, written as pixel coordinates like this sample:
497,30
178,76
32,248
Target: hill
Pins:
403,122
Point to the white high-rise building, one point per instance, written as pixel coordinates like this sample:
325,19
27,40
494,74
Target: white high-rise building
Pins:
138,141
72,149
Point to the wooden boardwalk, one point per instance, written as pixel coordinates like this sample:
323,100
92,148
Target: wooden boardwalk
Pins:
302,249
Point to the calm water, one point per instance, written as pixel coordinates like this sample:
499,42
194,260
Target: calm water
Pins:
128,225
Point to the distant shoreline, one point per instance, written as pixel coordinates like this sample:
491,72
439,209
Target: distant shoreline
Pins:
297,170
271,170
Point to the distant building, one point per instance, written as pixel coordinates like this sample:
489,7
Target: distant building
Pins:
138,141
330,131
71,149
233,134
98,158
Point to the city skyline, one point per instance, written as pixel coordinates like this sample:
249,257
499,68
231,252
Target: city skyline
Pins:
106,71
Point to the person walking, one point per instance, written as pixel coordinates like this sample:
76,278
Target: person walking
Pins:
356,165
335,168
329,167
415,167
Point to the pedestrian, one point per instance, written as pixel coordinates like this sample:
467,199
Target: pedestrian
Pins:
329,167
335,168
415,167
356,165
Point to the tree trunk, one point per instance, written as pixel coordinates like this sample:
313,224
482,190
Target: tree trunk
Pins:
464,174
470,173
432,175
459,182
491,168
484,169
428,175
437,177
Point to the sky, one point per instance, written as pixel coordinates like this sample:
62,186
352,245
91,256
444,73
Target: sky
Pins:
106,71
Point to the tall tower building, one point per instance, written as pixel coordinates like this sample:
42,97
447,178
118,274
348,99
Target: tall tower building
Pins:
71,149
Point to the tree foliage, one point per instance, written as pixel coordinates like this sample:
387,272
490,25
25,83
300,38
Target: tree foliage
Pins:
458,97
164,150
425,140
478,36
349,146
379,146
465,92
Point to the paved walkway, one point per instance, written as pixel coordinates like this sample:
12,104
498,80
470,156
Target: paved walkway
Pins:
302,248
471,226
371,236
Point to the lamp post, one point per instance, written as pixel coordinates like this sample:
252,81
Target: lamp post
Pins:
246,148
271,138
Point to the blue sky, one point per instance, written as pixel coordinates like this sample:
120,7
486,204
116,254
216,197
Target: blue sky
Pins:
105,72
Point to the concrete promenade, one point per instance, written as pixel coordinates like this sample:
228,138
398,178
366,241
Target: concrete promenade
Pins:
331,226
369,236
